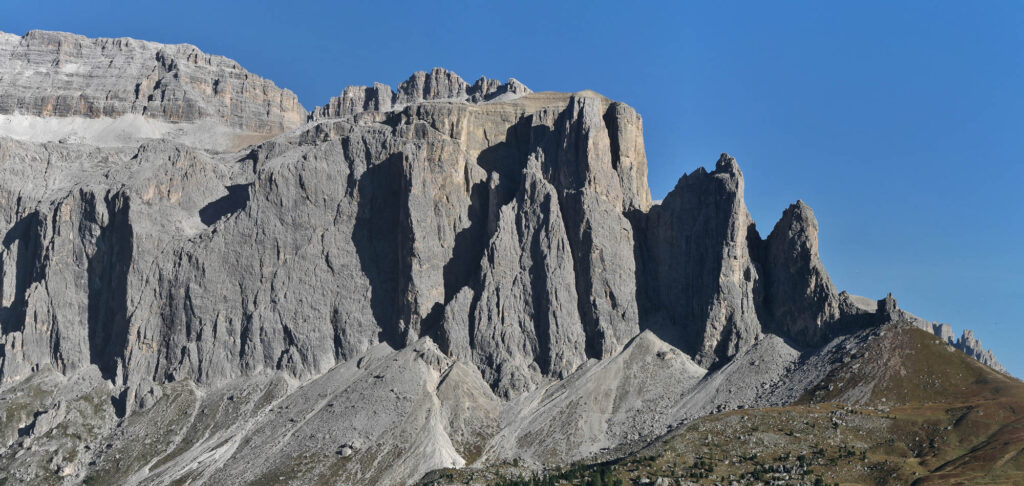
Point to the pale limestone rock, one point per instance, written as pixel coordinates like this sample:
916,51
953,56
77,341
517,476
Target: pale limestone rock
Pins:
701,283
55,74
800,296
292,293
437,85
526,322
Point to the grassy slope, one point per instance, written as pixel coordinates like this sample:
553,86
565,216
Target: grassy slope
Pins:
905,409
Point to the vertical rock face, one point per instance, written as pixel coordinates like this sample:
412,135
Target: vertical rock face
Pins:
513,228
702,286
53,74
600,235
355,99
438,84
490,89
629,160
526,322
800,296
943,331
496,228
502,242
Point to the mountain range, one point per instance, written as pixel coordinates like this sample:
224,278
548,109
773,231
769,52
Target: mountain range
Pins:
203,283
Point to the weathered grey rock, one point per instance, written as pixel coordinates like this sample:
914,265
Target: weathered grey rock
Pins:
701,284
437,85
454,335
967,343
591,198
526,322
490,89
273,312
54,74
887,307
355,99
282,258
943,331
855,304
625,131
972,346
799,294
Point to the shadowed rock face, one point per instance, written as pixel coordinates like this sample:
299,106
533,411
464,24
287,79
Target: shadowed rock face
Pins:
703,287
502,242
515,228
496,228
800,296
522,325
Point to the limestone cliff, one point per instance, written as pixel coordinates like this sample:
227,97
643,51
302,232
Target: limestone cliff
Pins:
801,298
703,286
437,272
60,75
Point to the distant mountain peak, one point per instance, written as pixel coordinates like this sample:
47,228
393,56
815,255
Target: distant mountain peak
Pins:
436,85
61,75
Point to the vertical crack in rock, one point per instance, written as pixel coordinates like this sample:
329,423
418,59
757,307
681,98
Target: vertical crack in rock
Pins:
20,257
628,158
464,264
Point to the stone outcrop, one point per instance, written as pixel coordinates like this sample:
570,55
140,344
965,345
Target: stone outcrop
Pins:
54,74
355,99
973,348
800,296
701,282
527,314
438,84
888,310
438,272
174,263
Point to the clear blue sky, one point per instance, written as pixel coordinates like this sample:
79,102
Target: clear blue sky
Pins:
900,123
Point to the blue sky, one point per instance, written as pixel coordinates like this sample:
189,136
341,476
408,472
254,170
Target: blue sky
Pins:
900,123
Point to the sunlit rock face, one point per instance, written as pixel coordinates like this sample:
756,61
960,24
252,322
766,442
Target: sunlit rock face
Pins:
407,279
169,88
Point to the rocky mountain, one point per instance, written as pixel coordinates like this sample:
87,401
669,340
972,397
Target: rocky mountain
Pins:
437,85
904,409
966,343
117,89
202,283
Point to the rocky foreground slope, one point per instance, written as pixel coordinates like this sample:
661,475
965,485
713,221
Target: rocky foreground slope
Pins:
441,275
904,407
